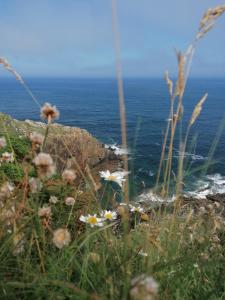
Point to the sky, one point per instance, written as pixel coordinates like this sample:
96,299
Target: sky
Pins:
74,38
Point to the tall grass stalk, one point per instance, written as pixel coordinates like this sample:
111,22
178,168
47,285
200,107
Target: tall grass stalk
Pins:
120,92
184,67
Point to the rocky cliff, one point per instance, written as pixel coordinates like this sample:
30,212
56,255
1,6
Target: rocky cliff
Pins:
67,145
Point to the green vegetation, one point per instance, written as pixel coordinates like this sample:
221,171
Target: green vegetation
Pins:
184,253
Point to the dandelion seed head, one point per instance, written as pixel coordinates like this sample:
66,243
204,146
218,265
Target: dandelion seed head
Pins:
69,201
49,112
68,176
44,164
143,287
36,139
45,212
61,238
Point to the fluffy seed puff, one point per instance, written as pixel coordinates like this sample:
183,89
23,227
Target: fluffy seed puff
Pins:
49,112
36,139
68,176
45,212
61,238
69,201
44,164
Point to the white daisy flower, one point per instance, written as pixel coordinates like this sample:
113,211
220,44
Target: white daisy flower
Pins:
92,220
109,215
118,177
136,209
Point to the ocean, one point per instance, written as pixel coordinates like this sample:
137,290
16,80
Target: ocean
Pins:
92,104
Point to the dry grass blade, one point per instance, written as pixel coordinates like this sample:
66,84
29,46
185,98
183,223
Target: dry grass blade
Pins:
208,20
197,110
120,93
181,78
211,15
169,83
9,68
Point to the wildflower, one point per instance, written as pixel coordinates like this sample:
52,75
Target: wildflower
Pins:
143,288
136,209
7,157
118,177
2,142
49,112
69,201
61,238
109,215
45,212
68,176
36,139
45,165
53,200
35,185
94,257
92,220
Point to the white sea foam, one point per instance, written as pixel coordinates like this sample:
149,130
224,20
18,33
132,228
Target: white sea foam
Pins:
117,149
150,173
193,156
150,197
211,184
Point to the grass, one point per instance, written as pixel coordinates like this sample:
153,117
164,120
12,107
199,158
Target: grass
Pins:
59,251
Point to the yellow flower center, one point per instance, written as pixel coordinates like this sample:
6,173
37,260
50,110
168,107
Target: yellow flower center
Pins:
92,220
108,216
112,178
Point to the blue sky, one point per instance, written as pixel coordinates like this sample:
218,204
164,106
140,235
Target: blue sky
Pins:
74,37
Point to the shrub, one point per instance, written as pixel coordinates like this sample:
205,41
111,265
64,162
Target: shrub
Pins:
11,171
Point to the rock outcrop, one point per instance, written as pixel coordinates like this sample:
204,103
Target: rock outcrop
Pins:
68,146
